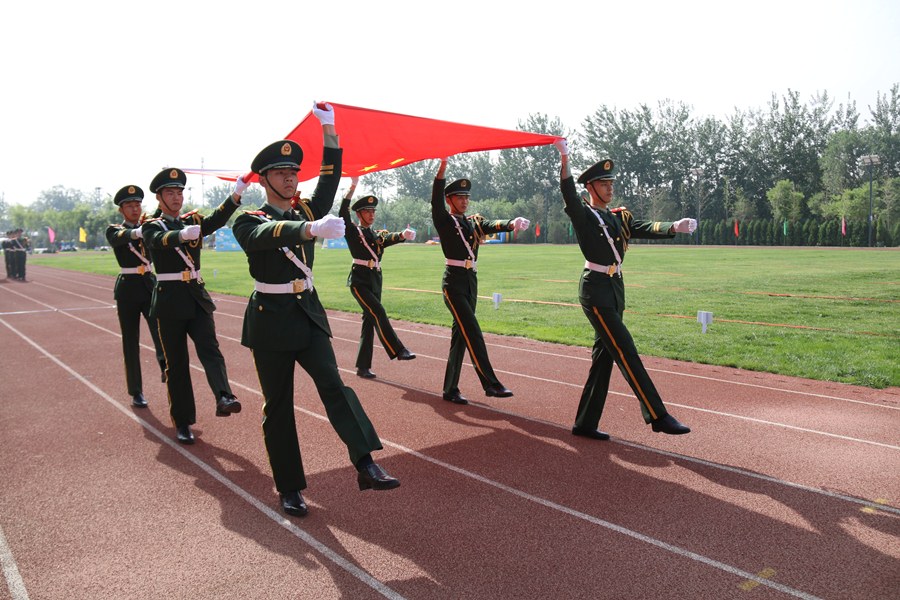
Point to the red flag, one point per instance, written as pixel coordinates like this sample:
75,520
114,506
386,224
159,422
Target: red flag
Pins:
374,140
843,226
737,231
537,230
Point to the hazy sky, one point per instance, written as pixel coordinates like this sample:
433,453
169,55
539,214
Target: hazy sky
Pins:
103,94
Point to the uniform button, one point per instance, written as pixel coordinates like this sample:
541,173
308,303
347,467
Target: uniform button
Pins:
260,309
299,296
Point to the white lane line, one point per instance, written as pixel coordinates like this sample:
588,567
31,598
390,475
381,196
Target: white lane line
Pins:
225,298
359,573
11,571
677,550
310,540
667,372
727,468
363,576
685,406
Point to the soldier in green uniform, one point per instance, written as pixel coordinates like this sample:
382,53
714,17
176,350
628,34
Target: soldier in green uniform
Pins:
367,248
285,323
8,255
603,237
16,249
133,289
461,236
180,301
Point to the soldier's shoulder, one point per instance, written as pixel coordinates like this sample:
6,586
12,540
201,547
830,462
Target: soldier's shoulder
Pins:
255,213
152,220
619,209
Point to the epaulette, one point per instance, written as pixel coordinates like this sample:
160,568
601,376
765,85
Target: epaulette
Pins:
189,214
153,219
618,209
256,213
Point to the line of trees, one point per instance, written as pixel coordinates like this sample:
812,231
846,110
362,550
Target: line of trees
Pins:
790,162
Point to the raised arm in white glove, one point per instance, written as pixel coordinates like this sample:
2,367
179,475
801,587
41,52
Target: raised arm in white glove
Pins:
136,233
520,223
329,227
324,115
191,232
409,234
685,226
240,186
562,146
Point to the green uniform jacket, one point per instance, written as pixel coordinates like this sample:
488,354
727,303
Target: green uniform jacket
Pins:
377,240
130,288
474,228
180,299
269,321
599,289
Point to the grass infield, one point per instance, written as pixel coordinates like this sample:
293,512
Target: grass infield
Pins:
828,314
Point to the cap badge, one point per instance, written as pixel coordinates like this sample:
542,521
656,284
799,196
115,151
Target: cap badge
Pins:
607,166
131,189
464,183
286,150
173,174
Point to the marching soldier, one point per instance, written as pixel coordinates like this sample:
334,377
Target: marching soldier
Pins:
285,323
367,247
603,236
17,247
8,255
461,236
180,301
133,289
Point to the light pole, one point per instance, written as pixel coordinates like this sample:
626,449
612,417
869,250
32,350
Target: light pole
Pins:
698,173
870,160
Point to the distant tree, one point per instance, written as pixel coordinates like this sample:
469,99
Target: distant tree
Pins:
58,198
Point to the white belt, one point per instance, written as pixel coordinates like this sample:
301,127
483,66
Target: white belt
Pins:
182,276
465,264
608,270
296,286
136,270
371,263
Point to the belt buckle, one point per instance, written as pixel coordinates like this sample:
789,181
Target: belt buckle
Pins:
468,264
185,275
611,270
141,270
299,285
371,264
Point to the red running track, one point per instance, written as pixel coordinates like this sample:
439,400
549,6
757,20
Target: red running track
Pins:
785,488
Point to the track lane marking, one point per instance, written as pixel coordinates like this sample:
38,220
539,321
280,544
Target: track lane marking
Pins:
735,470
307,538
359,573
11,571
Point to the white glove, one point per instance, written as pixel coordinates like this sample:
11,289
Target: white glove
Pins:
562,146
191,232
329,227
685,226
136,233
324,115
240,186
409,234
520,223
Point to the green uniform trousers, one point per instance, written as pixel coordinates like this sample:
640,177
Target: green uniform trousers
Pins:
130,313
613,344
346,414
374,320
173,334
466,334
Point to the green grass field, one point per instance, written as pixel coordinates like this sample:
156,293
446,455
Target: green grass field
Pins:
827,314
